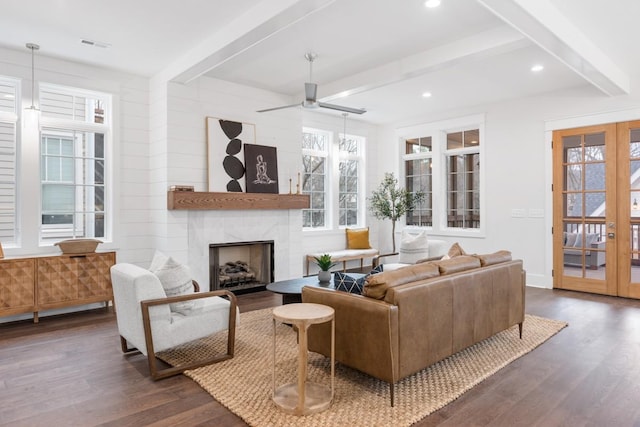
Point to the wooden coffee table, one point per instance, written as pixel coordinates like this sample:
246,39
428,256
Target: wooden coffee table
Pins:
291,289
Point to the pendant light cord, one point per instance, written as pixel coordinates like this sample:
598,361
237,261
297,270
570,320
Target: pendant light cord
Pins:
33,47
344,130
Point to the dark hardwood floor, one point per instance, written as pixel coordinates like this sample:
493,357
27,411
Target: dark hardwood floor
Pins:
69,371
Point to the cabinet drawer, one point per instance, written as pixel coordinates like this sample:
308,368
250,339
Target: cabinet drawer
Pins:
17,284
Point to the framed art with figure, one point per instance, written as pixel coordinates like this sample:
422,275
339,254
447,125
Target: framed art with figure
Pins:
261,165
225,153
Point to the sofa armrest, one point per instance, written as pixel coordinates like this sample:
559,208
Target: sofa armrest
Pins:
377,259
366,332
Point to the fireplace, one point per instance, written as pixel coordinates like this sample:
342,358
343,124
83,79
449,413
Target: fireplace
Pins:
241,266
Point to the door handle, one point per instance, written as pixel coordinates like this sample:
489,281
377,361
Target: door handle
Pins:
611,235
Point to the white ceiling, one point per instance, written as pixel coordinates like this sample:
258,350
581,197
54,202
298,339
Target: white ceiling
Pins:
380,55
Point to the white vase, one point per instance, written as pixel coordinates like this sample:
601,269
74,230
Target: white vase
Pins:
324,276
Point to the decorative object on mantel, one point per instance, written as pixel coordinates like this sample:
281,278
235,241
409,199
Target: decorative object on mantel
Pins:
199,200
325,263
225,149
261,169
78,246
1,251
181,188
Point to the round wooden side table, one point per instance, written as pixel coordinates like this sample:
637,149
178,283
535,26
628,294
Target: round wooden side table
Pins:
303,397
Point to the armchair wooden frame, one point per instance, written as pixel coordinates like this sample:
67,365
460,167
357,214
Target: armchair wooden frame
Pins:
157,373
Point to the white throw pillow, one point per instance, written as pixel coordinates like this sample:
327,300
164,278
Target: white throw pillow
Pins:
413,247
175,279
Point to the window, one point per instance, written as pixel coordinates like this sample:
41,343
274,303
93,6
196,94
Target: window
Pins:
463,179
418,169
333,178
315,153
442,160
73,164
9,90
350,160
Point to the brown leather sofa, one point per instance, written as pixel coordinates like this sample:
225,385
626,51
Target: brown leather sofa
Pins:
410,318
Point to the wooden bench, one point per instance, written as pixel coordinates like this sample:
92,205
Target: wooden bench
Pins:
344,255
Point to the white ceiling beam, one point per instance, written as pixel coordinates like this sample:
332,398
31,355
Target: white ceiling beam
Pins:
491,42
257,24
542,23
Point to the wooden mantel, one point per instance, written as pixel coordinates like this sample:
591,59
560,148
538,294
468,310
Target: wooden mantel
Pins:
197,200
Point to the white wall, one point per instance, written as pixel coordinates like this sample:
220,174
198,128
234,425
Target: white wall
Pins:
518,168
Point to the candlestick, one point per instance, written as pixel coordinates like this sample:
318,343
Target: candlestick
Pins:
289,185
298,184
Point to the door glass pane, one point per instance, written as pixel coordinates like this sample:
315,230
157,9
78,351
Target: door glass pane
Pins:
634,202
594,176
584,206
573,177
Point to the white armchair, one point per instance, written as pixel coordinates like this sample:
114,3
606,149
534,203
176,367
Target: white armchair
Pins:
146,322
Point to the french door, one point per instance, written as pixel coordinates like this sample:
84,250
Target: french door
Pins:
596,197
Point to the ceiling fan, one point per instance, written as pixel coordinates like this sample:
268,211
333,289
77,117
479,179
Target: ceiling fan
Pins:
310,92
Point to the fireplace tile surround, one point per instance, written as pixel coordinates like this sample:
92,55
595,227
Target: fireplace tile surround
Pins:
284,227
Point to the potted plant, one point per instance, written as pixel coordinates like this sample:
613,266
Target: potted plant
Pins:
389,201
325,263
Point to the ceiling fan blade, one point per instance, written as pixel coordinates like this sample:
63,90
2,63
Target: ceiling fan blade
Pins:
310,91
341,108
278,108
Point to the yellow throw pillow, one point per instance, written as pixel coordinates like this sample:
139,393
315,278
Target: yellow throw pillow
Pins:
358,238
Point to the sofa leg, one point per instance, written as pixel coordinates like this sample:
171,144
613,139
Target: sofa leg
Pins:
391,389
520,329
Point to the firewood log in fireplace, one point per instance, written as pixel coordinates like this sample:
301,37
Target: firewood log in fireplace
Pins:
236,273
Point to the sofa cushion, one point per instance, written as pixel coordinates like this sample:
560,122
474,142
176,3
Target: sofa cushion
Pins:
494,258
456,264
413,247
358,238
571,239
344,282
375,286
175,279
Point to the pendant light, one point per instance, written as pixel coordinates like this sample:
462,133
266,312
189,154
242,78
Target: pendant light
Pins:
344,131
32,114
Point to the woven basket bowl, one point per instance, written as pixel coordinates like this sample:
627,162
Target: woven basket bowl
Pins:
78,246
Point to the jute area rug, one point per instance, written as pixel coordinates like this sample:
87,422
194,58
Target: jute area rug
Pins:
244,384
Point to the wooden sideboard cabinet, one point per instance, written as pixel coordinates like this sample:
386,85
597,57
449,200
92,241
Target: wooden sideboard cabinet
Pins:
48,282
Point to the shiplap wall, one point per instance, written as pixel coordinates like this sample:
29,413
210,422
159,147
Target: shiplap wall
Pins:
130,165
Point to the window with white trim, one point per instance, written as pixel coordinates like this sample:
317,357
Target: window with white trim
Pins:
315,173
74,146
418,179
462,157
333,171
442,161
350,167
9,100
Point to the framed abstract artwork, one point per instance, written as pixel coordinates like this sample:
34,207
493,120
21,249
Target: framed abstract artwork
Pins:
261,169
225,153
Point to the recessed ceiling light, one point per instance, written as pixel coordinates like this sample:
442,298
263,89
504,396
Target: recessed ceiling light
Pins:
537,68
426,95
432,3
474,141
95,43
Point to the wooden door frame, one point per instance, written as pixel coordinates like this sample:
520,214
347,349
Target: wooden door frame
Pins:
624,207
608,286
